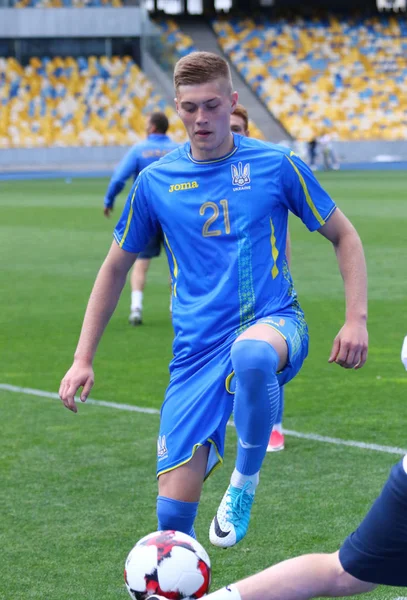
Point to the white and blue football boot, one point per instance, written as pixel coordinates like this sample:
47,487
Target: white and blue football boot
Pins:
231,522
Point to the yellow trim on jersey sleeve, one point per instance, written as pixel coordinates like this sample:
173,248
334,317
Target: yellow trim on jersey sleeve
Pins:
307,194
126,231
175,267
274,250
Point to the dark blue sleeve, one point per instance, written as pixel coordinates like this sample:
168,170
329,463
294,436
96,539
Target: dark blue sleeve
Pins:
127,167
138,222
303,194
377,550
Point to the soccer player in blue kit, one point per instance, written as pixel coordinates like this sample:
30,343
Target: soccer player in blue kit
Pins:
222,201
157,144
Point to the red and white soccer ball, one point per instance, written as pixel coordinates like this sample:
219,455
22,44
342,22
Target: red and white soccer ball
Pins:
170,564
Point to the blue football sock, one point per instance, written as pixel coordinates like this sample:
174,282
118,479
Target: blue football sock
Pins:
257,399
176,514
279,418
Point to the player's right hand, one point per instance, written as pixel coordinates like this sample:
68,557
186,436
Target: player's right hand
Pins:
79,375
107,211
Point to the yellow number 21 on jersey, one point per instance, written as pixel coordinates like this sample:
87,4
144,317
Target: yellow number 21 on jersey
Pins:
212,206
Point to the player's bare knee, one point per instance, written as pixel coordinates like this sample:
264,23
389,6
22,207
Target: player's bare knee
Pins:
345,584
350,586
185,482
179,486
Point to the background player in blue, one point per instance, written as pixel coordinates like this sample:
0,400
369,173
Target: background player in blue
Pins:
141,155
222,201
239,123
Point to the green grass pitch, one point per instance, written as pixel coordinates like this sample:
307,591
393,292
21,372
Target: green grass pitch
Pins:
77,491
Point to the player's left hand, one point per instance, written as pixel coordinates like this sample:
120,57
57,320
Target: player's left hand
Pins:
107,211
349,349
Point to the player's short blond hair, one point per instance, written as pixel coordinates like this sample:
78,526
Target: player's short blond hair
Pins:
241,112
201,67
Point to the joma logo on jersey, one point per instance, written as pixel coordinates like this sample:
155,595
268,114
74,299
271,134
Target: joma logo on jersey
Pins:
241,176
179,187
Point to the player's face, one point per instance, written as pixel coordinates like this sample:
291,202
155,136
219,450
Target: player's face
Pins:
237,125
205,110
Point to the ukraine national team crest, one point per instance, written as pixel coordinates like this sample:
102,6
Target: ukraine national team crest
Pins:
241,176
162,451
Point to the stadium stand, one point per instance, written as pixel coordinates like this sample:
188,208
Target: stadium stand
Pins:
173,45
93,101
346,77
172,37
69,102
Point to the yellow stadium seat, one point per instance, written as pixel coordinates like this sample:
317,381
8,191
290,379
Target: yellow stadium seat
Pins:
55,109
306,69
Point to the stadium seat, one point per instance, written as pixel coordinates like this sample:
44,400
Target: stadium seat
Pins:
348,77
66,102
174,44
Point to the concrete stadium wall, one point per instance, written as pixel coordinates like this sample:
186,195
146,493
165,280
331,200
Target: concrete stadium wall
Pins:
73,22
17,158
83,158
370,151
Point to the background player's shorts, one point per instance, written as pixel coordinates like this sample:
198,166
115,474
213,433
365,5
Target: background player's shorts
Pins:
199,398
153,248
377,551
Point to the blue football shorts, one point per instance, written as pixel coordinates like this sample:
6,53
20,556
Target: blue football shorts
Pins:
153,248
377,551
199,399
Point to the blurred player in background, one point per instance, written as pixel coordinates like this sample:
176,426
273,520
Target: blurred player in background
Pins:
239,123
222,201
312,153
141,155
329,157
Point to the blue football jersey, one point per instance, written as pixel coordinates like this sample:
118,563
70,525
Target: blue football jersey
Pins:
138,158
225,228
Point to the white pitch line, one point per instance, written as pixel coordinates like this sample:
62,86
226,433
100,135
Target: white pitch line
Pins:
43,394
339,442
152,411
